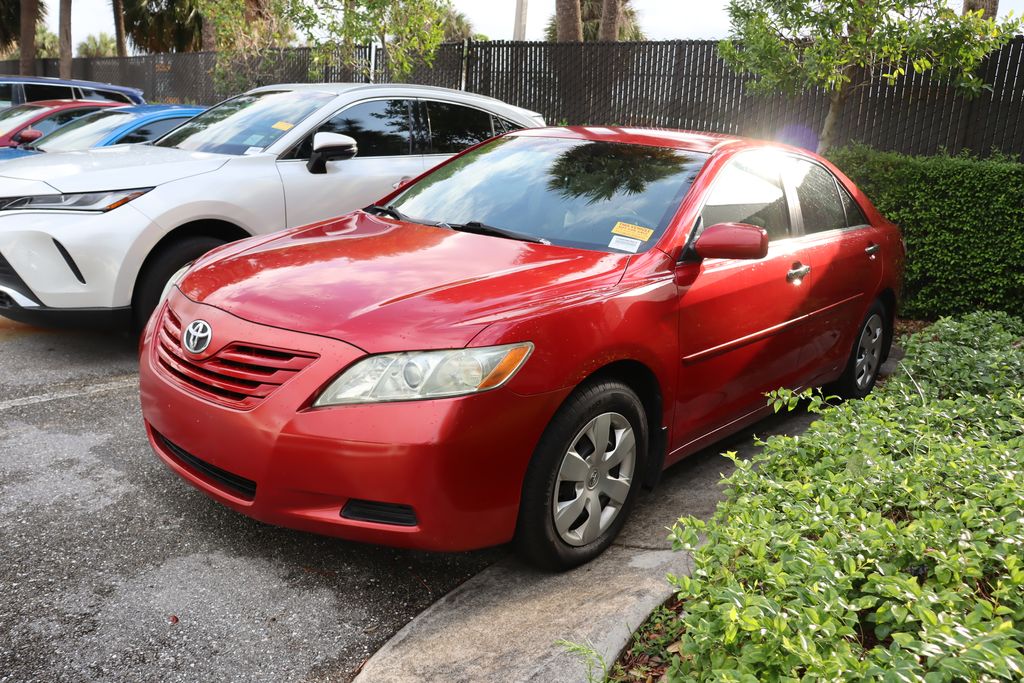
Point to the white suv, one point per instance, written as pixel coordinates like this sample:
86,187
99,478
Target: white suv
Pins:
92,237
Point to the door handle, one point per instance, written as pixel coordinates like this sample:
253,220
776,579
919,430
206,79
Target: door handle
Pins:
872,249
798,273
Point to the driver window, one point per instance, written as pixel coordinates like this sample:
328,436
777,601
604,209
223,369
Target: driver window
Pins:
749,190
381,128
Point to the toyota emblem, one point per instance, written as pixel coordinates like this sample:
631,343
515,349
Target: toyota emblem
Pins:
197,336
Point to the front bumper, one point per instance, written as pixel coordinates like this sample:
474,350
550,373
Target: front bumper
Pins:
57,260
455,465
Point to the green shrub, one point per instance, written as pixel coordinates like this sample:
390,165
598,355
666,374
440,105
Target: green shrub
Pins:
886,542
963,220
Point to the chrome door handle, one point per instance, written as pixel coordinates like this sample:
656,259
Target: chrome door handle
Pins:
872,249
799,272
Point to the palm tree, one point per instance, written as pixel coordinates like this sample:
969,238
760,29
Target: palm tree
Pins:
164,25
102,45
457,26
31,12
566,25
118,8
64,30
591,11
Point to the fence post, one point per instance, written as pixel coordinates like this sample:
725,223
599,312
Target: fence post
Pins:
464,74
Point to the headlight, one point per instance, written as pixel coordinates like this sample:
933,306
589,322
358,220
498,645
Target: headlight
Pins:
82,201
425,374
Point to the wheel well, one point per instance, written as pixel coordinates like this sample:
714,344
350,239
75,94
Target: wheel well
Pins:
229,232
888,299
644,382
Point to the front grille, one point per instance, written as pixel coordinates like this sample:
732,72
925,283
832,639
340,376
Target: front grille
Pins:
382,513
238,376
239,486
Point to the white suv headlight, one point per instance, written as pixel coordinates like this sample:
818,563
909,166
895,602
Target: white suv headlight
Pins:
82,201
413,375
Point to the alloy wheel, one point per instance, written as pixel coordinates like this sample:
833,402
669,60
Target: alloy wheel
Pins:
869,352
594,479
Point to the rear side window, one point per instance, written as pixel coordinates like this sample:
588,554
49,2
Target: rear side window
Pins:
45,91
109,95
454,127
504,125
151,131
749,190
6,95
818,194
854,214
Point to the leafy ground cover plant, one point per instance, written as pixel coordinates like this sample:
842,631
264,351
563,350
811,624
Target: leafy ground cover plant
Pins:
884,543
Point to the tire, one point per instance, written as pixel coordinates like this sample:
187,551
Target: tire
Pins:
159,269
555,481
866,356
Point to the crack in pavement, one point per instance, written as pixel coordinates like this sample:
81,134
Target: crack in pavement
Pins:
113,385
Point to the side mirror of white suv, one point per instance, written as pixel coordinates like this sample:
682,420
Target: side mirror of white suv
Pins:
330,147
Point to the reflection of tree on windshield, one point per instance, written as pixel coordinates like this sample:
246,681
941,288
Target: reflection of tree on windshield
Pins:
599,171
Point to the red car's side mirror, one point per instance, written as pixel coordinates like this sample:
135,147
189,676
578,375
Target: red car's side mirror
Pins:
28,135
732,240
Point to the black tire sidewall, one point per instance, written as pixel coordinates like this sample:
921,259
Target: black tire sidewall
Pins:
159,269
536,535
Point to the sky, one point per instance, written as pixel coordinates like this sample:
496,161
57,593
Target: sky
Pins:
660,19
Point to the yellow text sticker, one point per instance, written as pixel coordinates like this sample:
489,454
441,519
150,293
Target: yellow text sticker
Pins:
283,125
637,232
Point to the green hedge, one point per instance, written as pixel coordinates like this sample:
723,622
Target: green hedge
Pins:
963,220
886,542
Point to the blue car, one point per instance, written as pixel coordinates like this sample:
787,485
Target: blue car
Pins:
113,126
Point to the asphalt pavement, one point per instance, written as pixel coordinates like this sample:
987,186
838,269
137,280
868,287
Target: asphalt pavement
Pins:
113,569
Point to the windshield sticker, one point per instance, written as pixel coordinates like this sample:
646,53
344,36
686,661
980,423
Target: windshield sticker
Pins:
283,125
637,232
624,243
253,150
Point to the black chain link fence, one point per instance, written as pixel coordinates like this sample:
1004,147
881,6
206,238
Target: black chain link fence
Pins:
672,84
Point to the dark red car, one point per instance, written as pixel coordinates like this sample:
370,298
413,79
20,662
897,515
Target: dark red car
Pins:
26,123
515,343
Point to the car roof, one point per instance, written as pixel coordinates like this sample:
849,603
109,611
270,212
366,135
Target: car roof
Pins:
68,104
59,81
695,141
411,88
161,108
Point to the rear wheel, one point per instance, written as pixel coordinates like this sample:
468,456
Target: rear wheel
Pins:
584,476
158,271
869,346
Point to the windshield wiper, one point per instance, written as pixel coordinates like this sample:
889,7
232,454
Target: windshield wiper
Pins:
390,210
479,228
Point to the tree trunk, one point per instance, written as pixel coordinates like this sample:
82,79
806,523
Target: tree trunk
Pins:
610,18
837,102
118,8
568,22
989,8
64,38
255,10
27,41
208,37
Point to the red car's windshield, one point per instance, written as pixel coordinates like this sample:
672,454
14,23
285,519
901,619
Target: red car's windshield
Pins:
589,194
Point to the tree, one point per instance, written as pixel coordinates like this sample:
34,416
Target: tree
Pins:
163,25
32,12
628,23
989,8
568,21
47,43
117,6
407,31
841,45
609,25
456,26
64,31
101,45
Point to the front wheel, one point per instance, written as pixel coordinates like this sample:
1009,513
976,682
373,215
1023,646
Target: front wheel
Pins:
158,271
861,372
584,476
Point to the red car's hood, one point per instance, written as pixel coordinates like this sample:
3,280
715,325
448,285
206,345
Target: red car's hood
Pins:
385,286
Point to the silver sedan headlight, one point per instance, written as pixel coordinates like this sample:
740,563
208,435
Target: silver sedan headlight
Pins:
81,201
414,375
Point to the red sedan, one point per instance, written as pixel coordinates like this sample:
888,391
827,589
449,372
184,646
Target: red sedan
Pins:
515,343
26,123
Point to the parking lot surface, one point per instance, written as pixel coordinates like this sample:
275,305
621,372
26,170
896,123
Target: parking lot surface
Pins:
113,569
